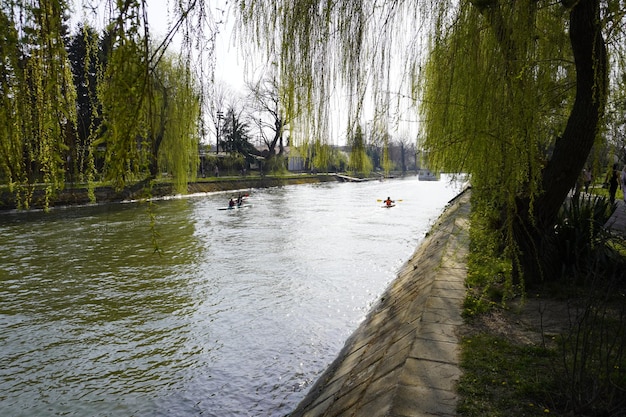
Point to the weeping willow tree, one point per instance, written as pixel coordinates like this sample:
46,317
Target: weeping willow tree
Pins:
322,157
178,123
387,163
520,109
511,92
151,100
145,111
150,119
38,105
123,92
150,108
359,162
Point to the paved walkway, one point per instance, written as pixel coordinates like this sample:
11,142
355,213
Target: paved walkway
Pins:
617,221
403,359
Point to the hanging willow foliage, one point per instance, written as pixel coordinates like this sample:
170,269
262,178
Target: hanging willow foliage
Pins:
39,96
178,152
122,94
494,105
320,45
150,118
11,113
143,120
359,162
512,93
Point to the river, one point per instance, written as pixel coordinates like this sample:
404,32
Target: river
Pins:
236,314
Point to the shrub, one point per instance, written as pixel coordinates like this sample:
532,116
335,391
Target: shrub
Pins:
580,239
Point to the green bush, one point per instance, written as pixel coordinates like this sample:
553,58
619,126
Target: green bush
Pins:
579,236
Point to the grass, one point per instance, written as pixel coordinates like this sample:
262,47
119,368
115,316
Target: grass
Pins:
581,371
604,192
504,379
510,365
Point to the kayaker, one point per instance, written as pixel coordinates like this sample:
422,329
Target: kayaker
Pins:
239,200
231,203
389,201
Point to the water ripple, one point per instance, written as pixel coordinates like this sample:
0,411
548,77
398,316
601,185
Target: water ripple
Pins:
237,316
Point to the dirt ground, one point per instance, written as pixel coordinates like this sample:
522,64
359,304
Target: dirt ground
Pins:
532,321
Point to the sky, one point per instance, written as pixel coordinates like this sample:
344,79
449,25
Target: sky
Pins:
229,60
229,67
229,63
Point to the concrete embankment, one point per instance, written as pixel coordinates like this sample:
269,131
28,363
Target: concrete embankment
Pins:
403,359
105,194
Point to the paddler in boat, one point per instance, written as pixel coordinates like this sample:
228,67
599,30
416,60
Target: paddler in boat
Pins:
388,201
231,203
239,200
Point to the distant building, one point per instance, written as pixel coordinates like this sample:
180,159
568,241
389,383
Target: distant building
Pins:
295,161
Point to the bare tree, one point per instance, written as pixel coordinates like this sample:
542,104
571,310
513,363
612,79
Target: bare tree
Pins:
267,99
405,151
220,100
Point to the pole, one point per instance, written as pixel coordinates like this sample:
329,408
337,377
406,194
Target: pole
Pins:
220,116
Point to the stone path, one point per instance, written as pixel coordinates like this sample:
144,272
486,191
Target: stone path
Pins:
403,359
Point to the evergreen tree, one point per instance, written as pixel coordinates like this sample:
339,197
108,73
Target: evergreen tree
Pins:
84,55
236,134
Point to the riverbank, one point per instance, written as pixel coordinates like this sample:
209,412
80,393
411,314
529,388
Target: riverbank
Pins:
79,194
404,358
237,314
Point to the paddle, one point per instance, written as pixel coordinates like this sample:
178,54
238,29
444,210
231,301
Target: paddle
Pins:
395,201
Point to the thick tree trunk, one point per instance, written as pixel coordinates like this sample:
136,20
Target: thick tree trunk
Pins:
532,228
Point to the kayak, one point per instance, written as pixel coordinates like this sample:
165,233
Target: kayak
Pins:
390,206
243,206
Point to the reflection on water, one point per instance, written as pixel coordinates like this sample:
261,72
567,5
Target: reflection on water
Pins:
237,316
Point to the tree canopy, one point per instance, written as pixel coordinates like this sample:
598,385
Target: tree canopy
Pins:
82,105
520,109
514,93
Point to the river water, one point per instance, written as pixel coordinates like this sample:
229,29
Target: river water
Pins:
236,314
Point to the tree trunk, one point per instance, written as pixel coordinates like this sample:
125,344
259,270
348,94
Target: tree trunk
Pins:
532,228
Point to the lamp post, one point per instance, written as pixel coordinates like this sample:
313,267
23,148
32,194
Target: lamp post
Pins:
220,116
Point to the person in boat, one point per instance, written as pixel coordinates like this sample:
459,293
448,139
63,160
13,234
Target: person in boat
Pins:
388,201
231,203
239,200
